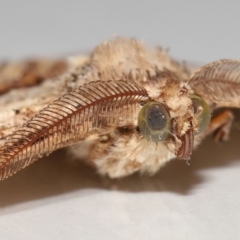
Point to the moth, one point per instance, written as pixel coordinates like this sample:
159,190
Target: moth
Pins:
124,108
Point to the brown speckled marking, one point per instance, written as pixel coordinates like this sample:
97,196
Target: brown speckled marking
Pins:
29,73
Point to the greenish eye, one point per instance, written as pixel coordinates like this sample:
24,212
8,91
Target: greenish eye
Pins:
205,116
154,122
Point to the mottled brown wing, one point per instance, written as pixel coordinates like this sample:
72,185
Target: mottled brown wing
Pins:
71,118
218,83
29,73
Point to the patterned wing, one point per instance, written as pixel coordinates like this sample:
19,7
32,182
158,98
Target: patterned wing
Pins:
28,73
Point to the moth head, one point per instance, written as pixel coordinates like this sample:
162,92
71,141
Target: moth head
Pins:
174,117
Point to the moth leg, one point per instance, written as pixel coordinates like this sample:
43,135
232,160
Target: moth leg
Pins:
220,126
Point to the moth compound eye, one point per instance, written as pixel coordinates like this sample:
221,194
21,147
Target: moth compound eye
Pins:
205,113
154,122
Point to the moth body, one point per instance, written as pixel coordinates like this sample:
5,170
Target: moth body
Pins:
124,108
